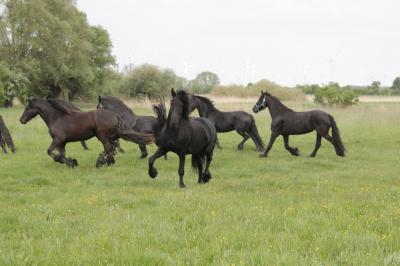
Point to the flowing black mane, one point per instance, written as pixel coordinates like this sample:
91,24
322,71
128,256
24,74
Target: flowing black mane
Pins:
278,104
207,101
183,96
60,106
118,104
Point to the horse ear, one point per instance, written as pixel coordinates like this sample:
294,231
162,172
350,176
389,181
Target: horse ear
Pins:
99,98
262,92
173,93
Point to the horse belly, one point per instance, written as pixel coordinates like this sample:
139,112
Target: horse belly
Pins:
296,128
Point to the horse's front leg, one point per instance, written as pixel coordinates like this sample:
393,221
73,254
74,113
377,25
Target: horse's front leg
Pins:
181,170
84,146
271,142
60,158
69,161
293,151
152,170
2,144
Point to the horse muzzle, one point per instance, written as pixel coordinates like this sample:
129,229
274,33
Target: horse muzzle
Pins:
256,109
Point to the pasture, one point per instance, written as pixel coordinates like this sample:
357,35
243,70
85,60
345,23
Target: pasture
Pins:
255,211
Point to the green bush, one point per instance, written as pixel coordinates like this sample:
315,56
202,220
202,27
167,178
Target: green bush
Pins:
333,95
12,85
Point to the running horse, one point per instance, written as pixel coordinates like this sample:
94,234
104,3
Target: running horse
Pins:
287,122
66,125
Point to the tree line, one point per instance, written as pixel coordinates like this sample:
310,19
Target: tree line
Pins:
48,49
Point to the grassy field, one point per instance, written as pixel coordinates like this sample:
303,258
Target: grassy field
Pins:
281,210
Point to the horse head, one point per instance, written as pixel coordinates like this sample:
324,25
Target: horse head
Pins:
31,110
180,107
262,102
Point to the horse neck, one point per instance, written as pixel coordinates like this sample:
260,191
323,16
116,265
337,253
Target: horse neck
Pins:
276,107
204,109
48,113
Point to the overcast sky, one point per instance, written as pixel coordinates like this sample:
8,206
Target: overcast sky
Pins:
286,41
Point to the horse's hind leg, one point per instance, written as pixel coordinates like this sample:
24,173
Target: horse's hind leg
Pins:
143,151
84,146
207,174
317,145
106,157
245,138
293,151
2,144
199,165
330,139
217,143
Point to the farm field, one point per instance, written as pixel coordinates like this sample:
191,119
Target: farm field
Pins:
281,210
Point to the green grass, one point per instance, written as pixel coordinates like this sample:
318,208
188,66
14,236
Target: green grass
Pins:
280,210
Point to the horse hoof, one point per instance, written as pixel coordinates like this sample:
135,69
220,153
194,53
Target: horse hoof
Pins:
182,185
153,173
143,155
262,155
110,160
312,155
206,177
240,147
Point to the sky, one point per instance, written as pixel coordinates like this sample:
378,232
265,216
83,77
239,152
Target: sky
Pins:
286,41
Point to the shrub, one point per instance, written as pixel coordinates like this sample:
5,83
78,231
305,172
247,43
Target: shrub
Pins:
333,95
253,90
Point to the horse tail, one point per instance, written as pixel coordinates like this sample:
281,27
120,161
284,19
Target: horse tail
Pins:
161,113
336,140
132,135
253,133
5,134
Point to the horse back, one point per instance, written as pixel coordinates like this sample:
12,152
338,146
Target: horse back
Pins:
234,120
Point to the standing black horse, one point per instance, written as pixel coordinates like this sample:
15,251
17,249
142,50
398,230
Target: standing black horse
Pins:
66,125
5,137
242,122
287,122
144,124
183,135
73,108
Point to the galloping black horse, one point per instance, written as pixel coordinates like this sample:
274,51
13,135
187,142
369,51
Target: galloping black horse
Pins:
240,121
183,135
287,122
5,137
66,125
144,124
73,108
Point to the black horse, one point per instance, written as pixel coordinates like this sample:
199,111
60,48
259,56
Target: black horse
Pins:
144,124
66,125
242,122
287,122
183,135
74,108
5,137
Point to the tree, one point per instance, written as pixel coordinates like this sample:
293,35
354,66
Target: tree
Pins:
396,86
374,88
204,82
51,42
12,85
150,81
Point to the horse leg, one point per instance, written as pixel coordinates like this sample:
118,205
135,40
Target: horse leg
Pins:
84,146
181,170
269,146
317,145
59,158
119,148
106,157
217,143
198,162
68,161
2,144
143,151
152,170
293,151
245,138
207,174
330,139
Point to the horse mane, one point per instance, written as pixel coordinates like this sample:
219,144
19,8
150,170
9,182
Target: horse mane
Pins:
66,104
161,113
62,106
207,101
118,104
279,104
183,96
